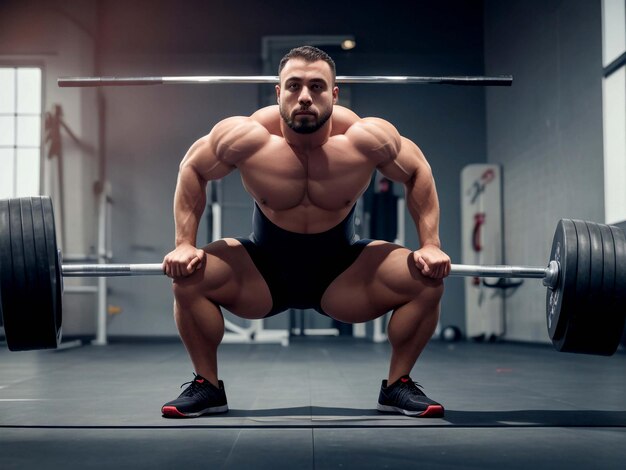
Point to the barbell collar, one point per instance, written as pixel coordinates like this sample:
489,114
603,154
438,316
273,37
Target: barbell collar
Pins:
552,275
63,82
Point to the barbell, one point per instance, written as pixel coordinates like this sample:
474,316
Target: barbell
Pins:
585,279
64,82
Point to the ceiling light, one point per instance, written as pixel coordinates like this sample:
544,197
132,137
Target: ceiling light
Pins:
348,44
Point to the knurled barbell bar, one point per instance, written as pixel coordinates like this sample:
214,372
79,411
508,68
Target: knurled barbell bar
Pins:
501,80
585,277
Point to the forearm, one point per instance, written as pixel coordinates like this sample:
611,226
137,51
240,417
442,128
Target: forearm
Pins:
189,203
423,205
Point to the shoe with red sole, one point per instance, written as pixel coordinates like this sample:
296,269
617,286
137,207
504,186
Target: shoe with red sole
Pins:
201,397
406,397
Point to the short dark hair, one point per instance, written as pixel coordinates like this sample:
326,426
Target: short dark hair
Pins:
308,54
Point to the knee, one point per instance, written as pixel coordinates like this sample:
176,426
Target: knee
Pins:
185,290
432,291
199,285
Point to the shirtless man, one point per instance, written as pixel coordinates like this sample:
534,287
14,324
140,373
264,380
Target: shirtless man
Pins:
305,162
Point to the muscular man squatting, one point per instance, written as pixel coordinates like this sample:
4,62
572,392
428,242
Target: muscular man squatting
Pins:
305,161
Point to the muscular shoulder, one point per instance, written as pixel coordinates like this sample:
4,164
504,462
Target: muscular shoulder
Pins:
237,137
375,138
268,117
343,119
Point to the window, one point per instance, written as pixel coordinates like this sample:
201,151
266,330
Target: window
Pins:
614,108
20,131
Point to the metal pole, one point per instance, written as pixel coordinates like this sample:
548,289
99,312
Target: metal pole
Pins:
501,80
101,323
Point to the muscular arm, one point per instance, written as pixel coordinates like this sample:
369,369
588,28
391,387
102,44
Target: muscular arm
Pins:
402,161
411,168
210,158
190,195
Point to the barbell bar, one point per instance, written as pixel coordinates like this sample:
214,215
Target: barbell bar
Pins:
585,276
548,274
64,82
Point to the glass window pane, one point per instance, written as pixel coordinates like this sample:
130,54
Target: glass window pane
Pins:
29,90
7,130
28,161
7,85
7,169
28,131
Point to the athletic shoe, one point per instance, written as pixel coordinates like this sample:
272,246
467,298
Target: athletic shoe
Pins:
200,398
405,396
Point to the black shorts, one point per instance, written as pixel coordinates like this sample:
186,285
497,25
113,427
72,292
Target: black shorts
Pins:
299,267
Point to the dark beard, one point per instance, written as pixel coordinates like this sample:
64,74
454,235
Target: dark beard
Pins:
307,126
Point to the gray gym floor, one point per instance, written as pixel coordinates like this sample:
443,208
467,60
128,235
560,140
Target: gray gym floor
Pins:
312,406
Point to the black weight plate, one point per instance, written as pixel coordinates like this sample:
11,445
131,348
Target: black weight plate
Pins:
38,332
54,266
595,327
17,314
28,310
596,272
583,269
608,281
587,334
603,330
47,329
562,300
6,261
575,326
619,305
594,315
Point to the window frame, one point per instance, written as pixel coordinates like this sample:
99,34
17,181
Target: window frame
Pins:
29,63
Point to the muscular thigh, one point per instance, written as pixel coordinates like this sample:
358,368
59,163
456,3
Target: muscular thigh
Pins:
382,278
230,279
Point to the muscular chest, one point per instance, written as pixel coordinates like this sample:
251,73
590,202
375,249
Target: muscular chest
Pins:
330,177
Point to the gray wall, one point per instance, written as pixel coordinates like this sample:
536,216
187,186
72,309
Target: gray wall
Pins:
546,132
